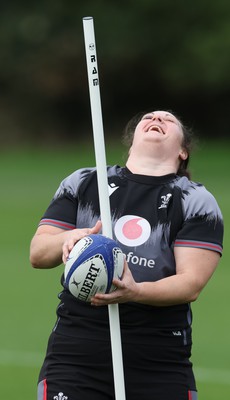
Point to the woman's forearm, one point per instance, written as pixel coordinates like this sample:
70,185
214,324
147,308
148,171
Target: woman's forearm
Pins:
46,250
51,245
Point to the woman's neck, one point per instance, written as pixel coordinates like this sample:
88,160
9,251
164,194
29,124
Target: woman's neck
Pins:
150,166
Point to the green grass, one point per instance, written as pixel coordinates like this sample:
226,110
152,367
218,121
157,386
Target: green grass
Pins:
29,297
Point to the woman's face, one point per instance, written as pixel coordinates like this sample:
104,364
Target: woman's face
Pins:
160,128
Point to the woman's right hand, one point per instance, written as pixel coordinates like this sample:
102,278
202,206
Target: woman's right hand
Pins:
75,235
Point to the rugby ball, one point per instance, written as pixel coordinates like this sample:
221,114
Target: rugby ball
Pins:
91,266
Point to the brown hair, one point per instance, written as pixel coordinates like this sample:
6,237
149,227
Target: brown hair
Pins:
187,144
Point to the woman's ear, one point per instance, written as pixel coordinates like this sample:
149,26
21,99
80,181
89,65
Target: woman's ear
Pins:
183,154
130,150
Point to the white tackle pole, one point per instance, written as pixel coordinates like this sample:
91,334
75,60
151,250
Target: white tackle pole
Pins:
99,146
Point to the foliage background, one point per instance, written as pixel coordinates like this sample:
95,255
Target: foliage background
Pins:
152,54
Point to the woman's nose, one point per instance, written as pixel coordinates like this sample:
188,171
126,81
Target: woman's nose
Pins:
157,118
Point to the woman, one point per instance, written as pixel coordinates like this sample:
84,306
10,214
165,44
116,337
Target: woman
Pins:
171,231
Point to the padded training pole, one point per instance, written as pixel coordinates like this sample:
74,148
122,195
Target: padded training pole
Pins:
100,156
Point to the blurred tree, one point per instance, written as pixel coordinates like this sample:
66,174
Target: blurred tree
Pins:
158,54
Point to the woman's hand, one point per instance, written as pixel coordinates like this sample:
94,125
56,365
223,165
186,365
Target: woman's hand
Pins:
50,245
75,235
194,267
126,290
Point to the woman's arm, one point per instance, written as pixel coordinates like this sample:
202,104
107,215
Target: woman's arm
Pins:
194,267
50,246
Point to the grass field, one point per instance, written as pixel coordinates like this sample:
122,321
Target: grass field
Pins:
28,297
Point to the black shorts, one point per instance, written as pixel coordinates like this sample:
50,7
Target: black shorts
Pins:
81,369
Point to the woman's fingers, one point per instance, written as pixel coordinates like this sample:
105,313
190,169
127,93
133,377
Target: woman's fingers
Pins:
74,236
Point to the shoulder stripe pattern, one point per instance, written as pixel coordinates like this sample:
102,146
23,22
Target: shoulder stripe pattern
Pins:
57,223
198,244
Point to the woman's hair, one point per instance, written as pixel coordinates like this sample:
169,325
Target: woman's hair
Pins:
187,143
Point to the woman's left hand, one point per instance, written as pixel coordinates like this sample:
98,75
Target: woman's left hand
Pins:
126,290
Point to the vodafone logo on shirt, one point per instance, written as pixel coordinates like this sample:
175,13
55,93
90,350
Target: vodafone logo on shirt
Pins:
132,230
